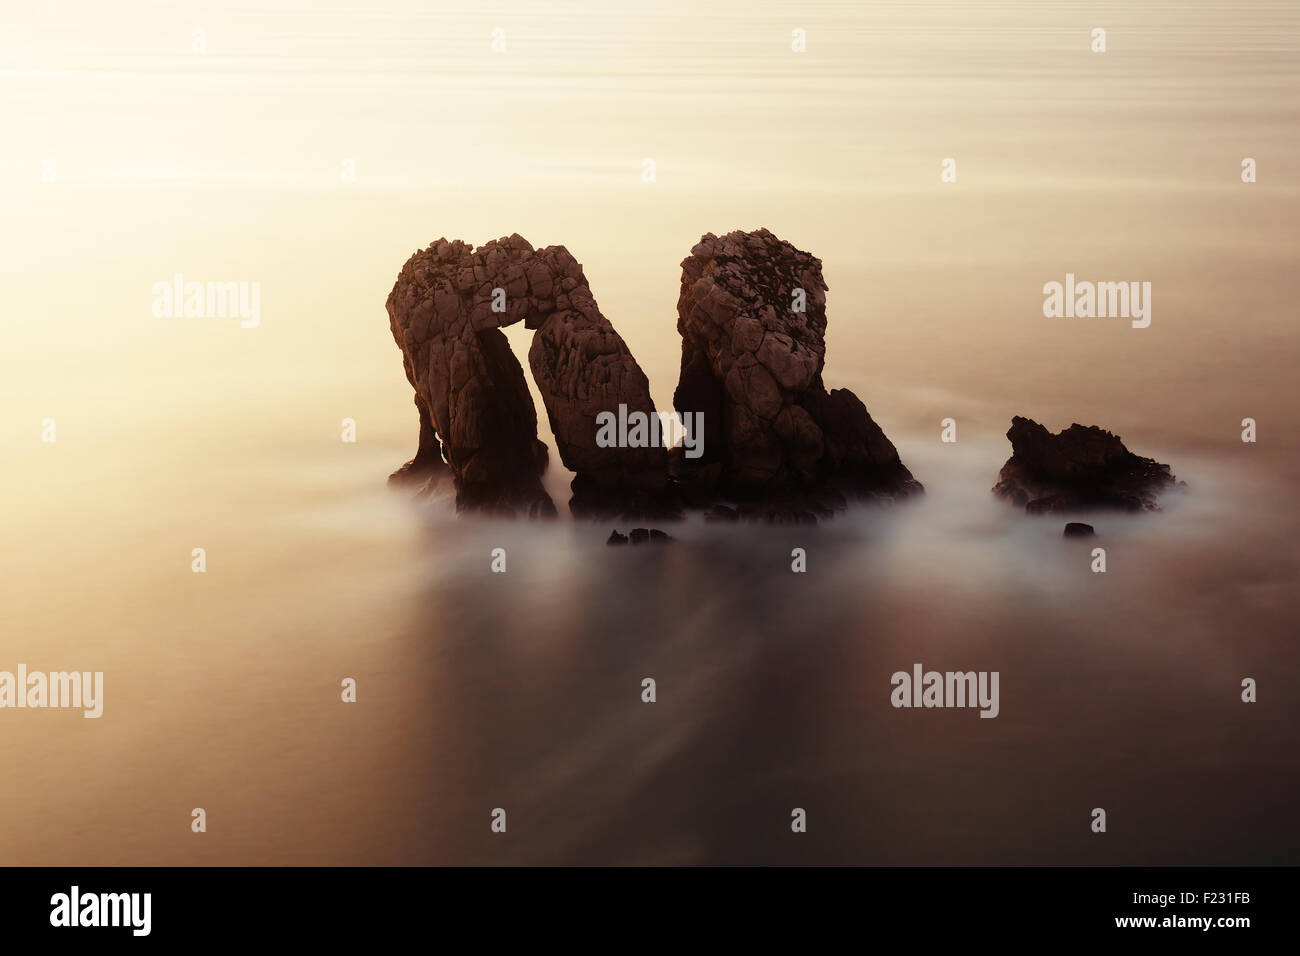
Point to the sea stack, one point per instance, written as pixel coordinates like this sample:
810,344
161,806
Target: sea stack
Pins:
752,316
763,432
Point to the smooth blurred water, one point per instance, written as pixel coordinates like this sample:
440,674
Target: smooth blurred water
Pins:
522,690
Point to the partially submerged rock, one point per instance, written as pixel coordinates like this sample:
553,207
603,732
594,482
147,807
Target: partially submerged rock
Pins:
1077,468
427,469
446,311
1077,529
752,316
639,536
583,368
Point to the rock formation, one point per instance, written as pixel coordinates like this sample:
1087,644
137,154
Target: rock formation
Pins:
1080,467
752,316
468,380
638,536
446,311
1077,529
583,368
427,468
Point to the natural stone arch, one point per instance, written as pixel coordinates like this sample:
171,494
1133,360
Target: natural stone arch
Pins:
752,315
446,311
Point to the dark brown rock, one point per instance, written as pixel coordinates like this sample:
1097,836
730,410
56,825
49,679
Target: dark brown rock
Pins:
1077,529
583,368
753,365
646,536
467,379
615,538
722,513
595,500
427,469
1077,468
446,310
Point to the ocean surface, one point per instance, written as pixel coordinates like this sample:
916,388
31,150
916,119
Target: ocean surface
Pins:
522,690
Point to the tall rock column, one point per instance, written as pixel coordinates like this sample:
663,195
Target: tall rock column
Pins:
752,316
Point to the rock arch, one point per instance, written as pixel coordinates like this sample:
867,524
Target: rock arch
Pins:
751,365
480,415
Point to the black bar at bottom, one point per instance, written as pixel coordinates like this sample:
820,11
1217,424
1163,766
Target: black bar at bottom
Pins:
328,905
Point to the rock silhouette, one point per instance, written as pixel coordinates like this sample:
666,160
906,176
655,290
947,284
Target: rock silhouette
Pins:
638,536
752,316
446,311
1079,467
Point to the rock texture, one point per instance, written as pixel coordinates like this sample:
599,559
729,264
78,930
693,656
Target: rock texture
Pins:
1079,467
446,311
464,373
582,368
752,315
752,364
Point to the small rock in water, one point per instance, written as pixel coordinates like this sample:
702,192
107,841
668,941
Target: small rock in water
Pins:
644,535
616,538
1077,529
1078,468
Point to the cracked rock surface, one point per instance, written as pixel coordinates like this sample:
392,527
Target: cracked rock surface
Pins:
446,311
752,316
